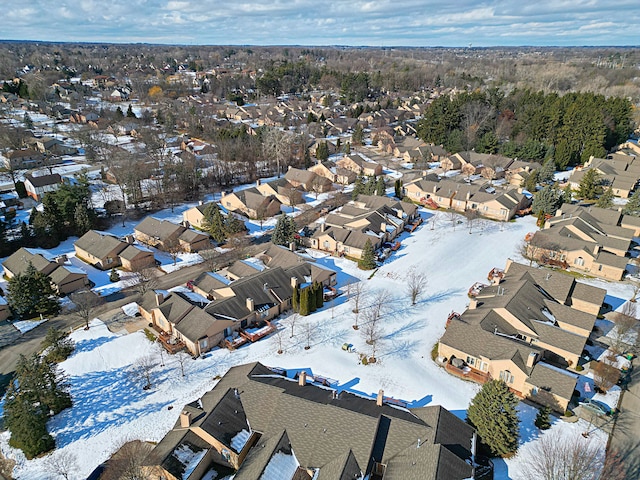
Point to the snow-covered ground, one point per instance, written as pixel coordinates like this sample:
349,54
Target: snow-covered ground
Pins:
110,406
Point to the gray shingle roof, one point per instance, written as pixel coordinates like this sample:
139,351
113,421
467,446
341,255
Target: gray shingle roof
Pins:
100,244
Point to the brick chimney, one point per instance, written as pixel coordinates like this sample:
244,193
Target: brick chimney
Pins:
294,282
302,379
185,419
380,398
322,227
129,239
258,182
250,304
159,298
473,304
292,246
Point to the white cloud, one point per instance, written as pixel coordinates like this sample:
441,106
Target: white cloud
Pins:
312,22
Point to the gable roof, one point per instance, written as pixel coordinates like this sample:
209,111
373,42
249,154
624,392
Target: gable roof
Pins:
337,436
100,244
43,180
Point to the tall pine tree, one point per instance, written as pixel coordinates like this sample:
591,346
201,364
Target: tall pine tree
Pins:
493,414
633,205
30,294
368,259
304,302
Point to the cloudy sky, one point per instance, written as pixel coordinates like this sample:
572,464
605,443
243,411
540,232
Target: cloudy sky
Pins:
326,22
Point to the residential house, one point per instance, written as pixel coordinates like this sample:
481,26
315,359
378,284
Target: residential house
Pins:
588,239
105,251
282,189
373,218
518,331
37,186
325,169
487,200
307,180
252,203
64,278
167,236
195,215
518,172
359,165
23,159
621,172
308,430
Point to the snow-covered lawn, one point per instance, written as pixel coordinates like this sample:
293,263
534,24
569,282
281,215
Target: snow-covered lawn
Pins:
110,406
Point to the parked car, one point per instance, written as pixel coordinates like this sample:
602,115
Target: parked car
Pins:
596,406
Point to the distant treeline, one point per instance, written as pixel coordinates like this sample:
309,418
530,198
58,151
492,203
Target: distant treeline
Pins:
529,125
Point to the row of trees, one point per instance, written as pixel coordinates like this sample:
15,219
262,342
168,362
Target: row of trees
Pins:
307,300
219,226
529,125
371,186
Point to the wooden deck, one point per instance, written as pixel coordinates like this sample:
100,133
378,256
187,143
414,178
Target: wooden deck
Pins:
171,345
257,333
473,375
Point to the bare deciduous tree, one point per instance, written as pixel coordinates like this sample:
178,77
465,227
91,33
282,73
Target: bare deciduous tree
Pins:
471,216
605,375
181,359
309,329
280,340
357,292
558,457
453,217
142,370
416,284
85,302
211,259
625,322
126,463
61,463
174,248
290,322
144,279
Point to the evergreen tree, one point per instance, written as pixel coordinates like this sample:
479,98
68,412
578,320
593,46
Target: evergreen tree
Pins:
591,185
347,148
130,113
39,390
548,170
531,182
368,260
380,190
57,345
313,306
606,199
488,143
82,219
322,151
543,420
319,295
493,414
547,200
567,194
633,205
27,423
213,223
397,188
358,188
284,231
307,158
119,115
233,225
304,309
358,135
26,120
295,299
31,294
114,276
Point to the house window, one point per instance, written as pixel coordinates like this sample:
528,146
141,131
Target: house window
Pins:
599,268
483,366
474,206
552,254
109,260
534,391
562,257
506,376
325,244
579,261
346,249
485,208
471,361
228,204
